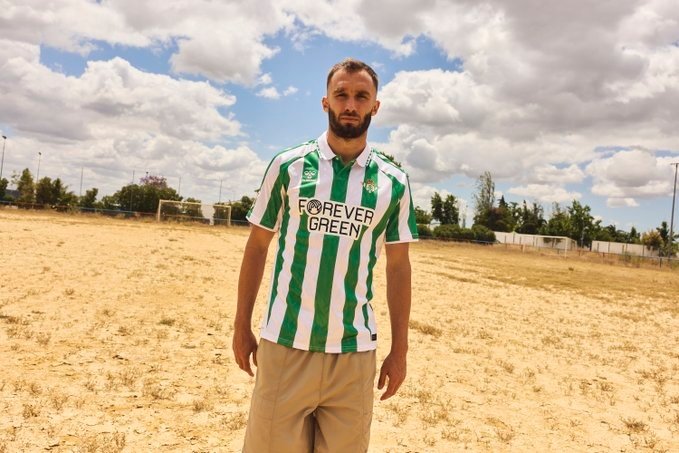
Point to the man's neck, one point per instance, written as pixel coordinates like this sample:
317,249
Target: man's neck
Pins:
347,149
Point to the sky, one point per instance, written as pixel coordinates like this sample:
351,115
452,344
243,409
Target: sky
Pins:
559,101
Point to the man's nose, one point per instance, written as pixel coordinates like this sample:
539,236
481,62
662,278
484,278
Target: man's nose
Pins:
350,105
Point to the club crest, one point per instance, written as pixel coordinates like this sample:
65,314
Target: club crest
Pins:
369,185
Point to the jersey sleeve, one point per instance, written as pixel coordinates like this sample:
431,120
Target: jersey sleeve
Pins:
402,226
267,209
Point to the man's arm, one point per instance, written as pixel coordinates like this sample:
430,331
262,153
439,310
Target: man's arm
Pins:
251,270
393,371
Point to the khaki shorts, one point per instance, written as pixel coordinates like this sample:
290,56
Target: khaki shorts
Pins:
310,401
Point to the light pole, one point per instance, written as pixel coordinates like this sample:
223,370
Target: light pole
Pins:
2,162
220,191
674,195
37,177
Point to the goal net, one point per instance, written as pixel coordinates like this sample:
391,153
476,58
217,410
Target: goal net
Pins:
188,211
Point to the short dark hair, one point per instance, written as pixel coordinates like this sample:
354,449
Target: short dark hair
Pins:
351,65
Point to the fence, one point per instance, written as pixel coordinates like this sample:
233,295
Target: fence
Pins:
629,254
536,240
620,248
105,212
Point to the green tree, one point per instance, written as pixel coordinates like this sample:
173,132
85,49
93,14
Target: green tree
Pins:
450,214
240,209
3,188
89,200
500,218
192,211
559,224
437,207
634,236
144,197
653,240
664,233
109,203
484,199
43,191
531,219
25,186
53,193
422,217
605,234
582,223
445,211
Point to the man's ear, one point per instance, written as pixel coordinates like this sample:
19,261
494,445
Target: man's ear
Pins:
376,107
324,103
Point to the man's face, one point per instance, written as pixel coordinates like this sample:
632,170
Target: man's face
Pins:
351,102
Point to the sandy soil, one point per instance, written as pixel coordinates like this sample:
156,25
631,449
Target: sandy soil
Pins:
115,336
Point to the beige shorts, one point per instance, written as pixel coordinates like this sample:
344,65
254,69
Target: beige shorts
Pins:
310,401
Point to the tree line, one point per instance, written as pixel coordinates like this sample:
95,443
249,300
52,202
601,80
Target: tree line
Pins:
575,221
141,197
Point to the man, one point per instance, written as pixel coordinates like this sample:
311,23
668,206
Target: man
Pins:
333,202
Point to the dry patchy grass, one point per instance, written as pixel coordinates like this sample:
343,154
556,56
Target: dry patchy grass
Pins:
509,351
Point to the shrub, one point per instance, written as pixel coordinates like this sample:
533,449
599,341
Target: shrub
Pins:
483,233
446,232
454,232
424,231
466,234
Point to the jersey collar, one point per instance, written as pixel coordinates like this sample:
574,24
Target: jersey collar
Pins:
327,153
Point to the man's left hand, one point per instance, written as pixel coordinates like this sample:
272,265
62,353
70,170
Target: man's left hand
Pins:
393,373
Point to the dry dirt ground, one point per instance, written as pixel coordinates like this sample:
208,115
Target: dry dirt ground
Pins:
115,336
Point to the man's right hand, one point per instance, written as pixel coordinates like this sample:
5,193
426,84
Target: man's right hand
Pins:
244,344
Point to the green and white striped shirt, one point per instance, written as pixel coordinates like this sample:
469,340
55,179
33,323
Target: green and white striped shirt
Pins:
331,221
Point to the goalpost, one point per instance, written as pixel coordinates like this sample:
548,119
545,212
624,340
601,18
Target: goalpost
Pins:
188,211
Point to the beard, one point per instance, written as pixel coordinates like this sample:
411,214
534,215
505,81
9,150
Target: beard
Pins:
347,131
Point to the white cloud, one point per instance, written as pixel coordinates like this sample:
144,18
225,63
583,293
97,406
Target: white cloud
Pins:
437,99
552,174
272,93
110,98
115,119
629,174
224,41
269,93
265,79
545,193
622,203
539,90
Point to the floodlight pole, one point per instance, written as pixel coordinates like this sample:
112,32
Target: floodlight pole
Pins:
37,176
220,191
2,162
674,195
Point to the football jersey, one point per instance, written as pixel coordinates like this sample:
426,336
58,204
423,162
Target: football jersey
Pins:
332,219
